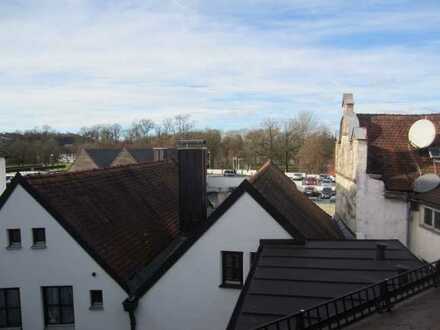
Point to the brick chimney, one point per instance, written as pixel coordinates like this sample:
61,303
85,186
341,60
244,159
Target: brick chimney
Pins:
347,103
191,155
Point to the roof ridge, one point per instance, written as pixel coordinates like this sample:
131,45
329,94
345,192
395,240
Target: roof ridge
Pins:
268,164
102,148
97,170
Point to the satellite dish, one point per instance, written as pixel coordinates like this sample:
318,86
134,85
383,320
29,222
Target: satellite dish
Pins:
422,133
426,183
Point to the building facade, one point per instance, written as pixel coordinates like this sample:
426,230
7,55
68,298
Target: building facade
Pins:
114,249
376,167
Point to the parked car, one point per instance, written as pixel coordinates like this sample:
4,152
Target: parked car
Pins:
298,176
310,186
229,173
326,193
326,177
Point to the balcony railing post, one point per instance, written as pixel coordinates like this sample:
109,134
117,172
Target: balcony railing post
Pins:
436,269
300,320
384,299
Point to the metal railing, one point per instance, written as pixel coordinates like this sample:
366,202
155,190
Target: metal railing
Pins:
343,311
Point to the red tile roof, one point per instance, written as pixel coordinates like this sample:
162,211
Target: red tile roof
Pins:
389,152
123,216
430,198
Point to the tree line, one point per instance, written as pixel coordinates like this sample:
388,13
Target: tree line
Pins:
297,144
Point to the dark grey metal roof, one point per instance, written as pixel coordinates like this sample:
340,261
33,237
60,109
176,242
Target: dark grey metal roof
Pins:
142,154
103,157
289,277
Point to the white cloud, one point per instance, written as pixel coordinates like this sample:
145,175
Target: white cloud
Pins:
86,62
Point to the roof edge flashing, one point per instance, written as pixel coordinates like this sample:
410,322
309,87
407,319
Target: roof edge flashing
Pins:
282,242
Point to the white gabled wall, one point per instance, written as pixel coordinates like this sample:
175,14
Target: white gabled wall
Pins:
379,217
188,294
424,242
63,262
360,199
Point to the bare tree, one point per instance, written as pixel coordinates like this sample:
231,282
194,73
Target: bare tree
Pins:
140,131
168,126
316,154
272,131
183,125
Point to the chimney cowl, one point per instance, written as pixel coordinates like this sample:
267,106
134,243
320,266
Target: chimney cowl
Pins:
190,144
380,251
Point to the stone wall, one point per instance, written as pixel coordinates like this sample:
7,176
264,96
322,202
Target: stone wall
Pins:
350,163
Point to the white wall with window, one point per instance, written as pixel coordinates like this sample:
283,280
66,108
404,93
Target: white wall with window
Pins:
56,279
200,290
425,232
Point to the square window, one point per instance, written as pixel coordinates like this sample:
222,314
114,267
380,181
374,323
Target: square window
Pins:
58,305
96,299
39,237
232,269
428,216
14,237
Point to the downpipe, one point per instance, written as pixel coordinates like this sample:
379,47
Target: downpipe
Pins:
130,304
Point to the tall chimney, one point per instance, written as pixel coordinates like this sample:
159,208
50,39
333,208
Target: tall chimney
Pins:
191,155
380,251
347,103
2,175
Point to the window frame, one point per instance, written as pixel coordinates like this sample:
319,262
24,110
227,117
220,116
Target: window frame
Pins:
96,305
434,214
232,283
59,305
6,308
14,245
38,244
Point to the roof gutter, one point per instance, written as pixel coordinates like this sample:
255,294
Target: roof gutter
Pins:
130,305
399,195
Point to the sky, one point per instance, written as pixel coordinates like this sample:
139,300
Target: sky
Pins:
229,64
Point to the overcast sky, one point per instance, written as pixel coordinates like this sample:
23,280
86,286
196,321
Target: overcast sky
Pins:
229,64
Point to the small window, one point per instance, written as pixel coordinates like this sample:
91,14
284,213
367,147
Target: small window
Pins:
14,236
232,272
437,220
96,300
10,312
58,305
428,217
39,237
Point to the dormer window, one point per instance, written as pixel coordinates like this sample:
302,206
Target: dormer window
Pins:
39,238
14,237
